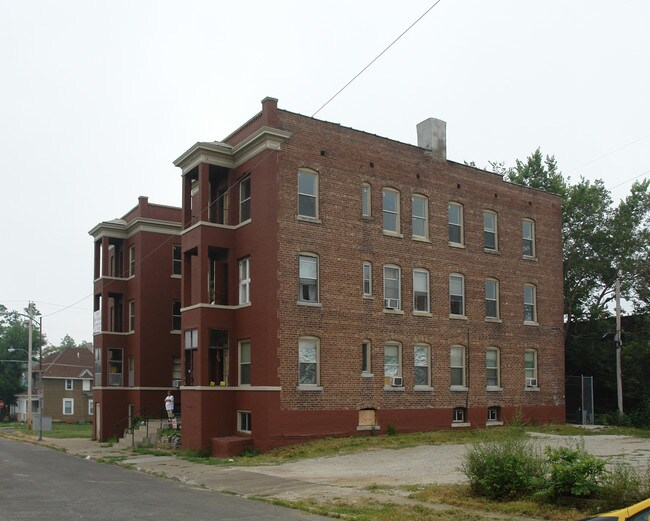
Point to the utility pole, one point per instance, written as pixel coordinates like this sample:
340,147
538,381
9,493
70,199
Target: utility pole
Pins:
619,342
29,368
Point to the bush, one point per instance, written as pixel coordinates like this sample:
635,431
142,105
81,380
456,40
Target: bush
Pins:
506,469
625,485
641,417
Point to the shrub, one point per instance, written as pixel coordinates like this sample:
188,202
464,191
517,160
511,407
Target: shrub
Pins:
641,417
391,430
625,485
505,469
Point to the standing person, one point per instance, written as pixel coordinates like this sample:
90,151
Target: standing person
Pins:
169,405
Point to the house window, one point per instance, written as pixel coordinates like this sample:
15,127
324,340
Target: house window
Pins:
132,260
421,356
245,280
457,294
176,315
86,385
491,298
308,278
244,421
421,290
307,194
530,306
392,287
68,406
91,407
245,199
131,315
530,367
457,366
366,210
492,368
528,237
115,366
176,259
69,384
98,366
365,357
390,210
308,361
494,414
459,415
490,231
420,217
245,362
455,219
367,279
191,345
392,361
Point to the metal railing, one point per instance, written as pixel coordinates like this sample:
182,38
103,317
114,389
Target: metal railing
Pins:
142,416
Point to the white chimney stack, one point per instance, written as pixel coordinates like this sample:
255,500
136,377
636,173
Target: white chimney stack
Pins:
432,135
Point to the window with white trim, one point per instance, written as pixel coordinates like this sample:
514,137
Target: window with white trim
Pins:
366,208
244,423
455,221
244,362
176,259
390,210
91,407
530,367
68,406
131,316
367,279
490,238
308,361
308,278
420,216
392,360
459,415
86,385
245,280
421,290
492,367
422,362
115,366
308,194
457,294
494,414
132,260
457,364
491,298
366,357
245,199
528,237
530,303
392,287
69,384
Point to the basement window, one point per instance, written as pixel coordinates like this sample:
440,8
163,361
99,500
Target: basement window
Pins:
244,421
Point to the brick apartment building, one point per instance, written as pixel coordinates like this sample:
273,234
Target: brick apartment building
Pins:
336,282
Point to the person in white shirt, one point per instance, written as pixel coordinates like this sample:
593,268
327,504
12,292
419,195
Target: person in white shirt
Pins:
169,404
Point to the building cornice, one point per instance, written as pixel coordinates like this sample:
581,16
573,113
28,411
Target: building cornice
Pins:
121,229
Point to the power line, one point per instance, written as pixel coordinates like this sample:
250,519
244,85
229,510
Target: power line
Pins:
609,153
631,179
376,58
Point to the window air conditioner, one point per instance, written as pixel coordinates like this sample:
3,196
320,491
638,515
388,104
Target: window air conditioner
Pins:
391,303
531,382
176,383
396,381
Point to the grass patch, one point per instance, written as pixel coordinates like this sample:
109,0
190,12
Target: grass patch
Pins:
574,430
59,430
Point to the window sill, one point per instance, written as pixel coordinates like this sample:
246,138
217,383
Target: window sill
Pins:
460,424
308,388
393,389
369,297
417,238
458,388
457,317
392,234
368,428
367,375
176,276
422,314
367,218
531,389
423,388
309,304
491,251
393,311
493,423
175,332
306,219
247,221
530,258
530,323
493,320
456,245
493,389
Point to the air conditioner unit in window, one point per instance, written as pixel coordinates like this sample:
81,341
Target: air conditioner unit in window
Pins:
391,303
176,383
396,381
531,382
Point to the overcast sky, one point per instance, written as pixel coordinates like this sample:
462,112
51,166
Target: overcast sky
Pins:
98,98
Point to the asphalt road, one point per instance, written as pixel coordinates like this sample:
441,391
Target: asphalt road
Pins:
40,483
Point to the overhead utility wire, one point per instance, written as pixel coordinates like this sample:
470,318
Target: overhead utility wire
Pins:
376,58
609,153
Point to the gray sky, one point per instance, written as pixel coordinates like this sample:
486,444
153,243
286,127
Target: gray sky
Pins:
98,98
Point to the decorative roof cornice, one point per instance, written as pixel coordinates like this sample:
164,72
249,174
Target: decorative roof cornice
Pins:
121,229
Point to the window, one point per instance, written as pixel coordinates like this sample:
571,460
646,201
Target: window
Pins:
244,421
459,415
308,361
421,290
131,315
530,367
115,366
132,260
457,294
420,217
366,210
192,339
491,298
176,315
392,287
245,199
455,219
367,279
307,194
530,307
392,360
245,280
176,259
494,414
98,366
390,210
492,368
308,278
528,236
69,384
68,406
245,362
490,231
457,366
91,407
191,345
644,515
421,357
365,357
86,385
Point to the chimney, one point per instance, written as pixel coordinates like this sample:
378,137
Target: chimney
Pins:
432,135
270,111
